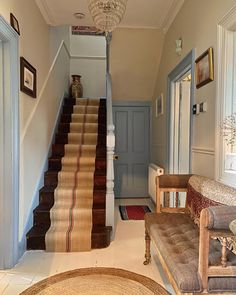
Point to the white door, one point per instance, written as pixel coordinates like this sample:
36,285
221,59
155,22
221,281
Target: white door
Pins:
181,150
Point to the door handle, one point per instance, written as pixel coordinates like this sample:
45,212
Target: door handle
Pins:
115,157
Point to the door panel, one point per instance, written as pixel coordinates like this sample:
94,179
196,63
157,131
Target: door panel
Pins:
139,144
132,147
122,128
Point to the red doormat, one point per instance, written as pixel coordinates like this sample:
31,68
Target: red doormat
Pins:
133,212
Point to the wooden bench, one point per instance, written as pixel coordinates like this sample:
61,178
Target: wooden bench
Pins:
185,239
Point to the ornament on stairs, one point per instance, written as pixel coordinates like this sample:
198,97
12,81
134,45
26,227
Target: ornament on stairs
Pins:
76,88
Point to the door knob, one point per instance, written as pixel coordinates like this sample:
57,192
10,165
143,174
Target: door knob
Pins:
115,157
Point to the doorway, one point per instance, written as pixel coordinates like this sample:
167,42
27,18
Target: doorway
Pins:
181,127
180,99
9,145
132,131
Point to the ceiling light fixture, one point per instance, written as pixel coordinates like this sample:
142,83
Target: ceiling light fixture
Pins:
79,15
107,14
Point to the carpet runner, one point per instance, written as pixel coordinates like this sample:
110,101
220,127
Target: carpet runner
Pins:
71,215
133,212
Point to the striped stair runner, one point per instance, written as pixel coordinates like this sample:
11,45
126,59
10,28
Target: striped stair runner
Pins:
71,214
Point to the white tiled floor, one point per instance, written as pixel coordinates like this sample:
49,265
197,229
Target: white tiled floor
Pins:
125,252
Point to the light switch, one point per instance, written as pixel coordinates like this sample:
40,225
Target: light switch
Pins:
196,109
203,107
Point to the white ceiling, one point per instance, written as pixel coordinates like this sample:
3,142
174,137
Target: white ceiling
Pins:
139,13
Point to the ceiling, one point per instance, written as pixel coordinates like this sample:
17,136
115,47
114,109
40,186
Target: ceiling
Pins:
139,13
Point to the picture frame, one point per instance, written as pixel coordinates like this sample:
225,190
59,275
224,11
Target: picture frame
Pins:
204,68
28,78
14,23
159,105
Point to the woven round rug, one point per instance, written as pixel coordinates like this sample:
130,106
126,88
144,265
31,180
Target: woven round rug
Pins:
96,281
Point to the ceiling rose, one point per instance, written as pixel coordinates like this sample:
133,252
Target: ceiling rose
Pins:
107,14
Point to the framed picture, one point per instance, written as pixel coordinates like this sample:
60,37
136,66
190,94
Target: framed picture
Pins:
14,23
204,68
28,78
159,105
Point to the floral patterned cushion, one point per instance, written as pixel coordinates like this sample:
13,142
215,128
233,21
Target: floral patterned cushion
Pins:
204,192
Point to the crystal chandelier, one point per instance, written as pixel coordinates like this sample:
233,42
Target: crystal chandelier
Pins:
107,14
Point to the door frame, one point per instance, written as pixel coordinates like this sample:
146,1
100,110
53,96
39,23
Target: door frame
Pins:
146,103
187,64
9,150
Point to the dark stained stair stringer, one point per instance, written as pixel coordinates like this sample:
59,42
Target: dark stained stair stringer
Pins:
41,221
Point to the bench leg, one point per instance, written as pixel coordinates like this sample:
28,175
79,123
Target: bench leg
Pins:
148,250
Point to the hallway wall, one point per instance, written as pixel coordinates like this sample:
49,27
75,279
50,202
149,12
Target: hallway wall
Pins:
37,116
88,59
135,58
196,24
34,46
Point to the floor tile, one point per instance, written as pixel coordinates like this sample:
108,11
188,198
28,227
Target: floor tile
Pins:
14,289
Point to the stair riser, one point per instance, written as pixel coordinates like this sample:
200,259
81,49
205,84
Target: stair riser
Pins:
42,218
72,101
69,109
56,165
52,180
99,241
58,150
63,139
66,118
99,198
65,128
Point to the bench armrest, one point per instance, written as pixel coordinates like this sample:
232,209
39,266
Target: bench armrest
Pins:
173,180
219,217
171,183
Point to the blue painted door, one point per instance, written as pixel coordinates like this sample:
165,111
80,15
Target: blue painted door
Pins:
132,130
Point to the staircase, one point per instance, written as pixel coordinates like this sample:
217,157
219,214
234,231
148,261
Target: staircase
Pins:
100,236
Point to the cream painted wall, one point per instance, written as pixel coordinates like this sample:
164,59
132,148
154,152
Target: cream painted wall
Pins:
57,34
34,46
196,24
88,59
135,58
37,116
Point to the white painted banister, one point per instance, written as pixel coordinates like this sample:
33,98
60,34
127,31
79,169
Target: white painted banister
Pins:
110,197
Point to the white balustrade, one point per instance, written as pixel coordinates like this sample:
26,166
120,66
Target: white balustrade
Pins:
110,197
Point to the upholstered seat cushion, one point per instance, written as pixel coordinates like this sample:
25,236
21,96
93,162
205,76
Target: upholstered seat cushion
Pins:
177,239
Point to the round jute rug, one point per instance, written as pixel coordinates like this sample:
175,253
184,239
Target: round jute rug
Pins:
98,280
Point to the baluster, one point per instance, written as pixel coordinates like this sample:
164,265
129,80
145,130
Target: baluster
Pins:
224,252
176,199
166,199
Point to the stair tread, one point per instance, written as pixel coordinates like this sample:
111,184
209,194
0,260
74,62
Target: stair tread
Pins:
50,189
58,158
55,172
45,207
